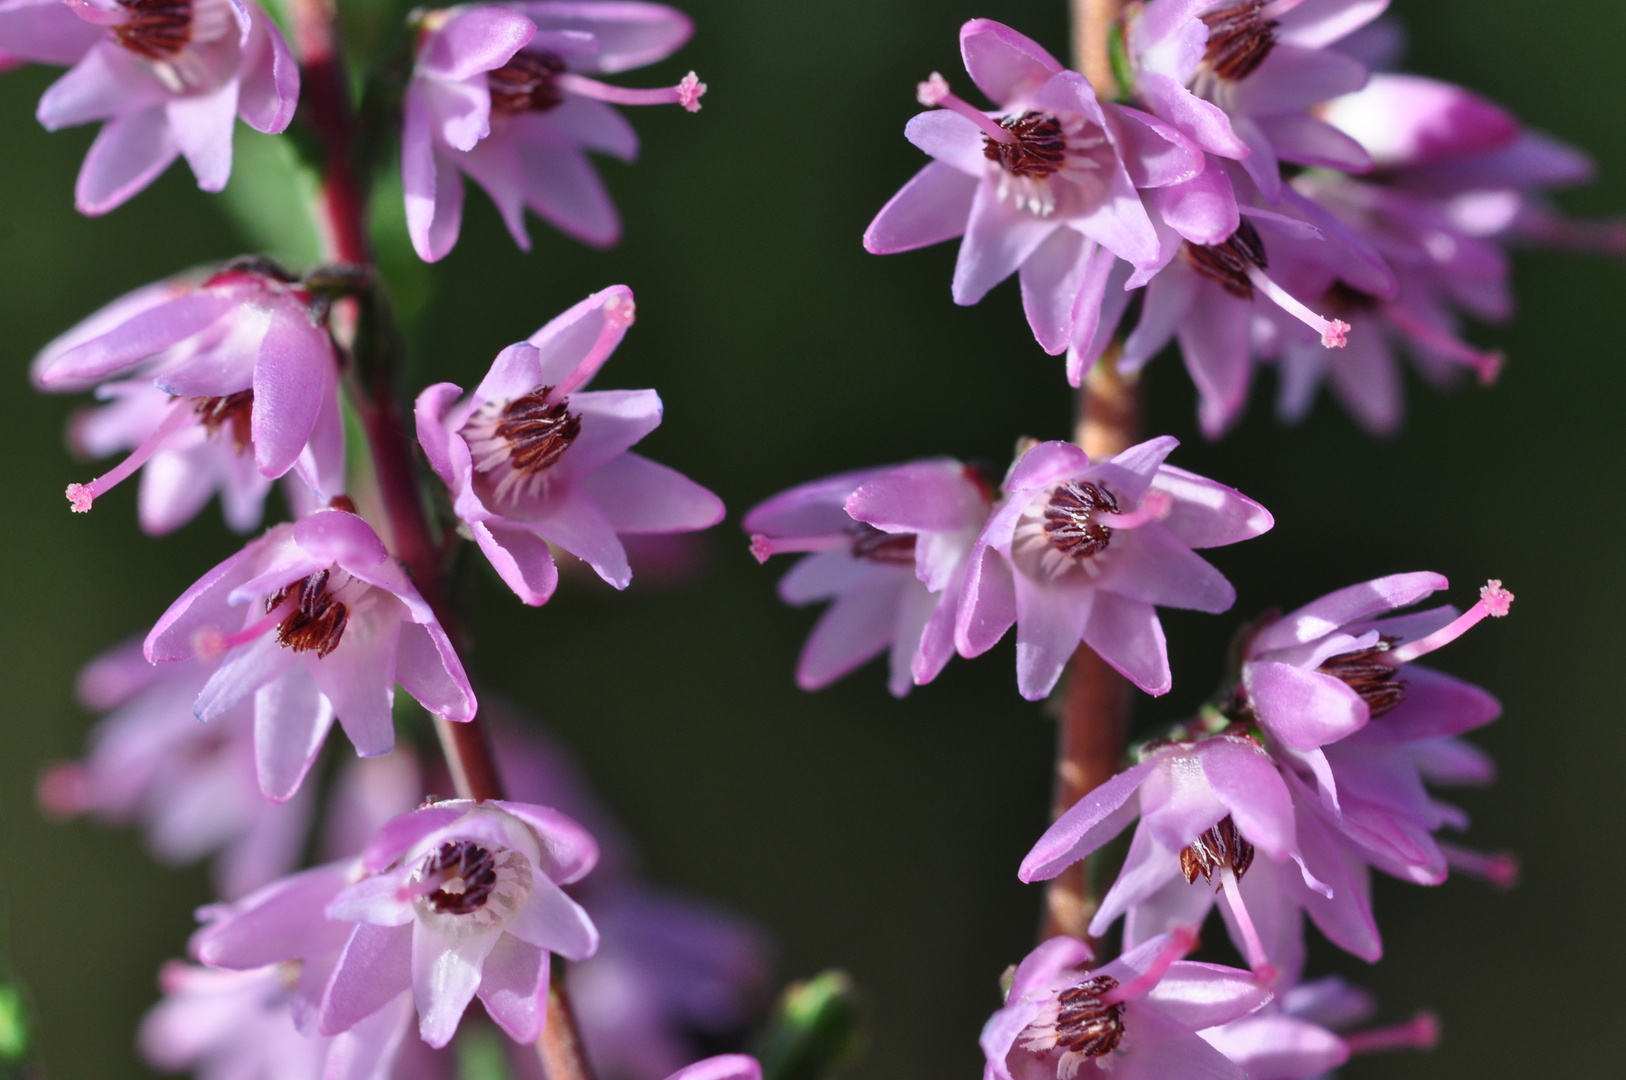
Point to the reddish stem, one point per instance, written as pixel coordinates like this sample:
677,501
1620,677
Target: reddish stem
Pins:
324,100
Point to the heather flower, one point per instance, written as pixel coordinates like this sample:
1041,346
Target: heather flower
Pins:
1337,696
167,80
1135,1017
212,381
313,620
1242,79
889,547
721,1067
240,1024
190,785
1046,185
1083,551
505,94
462,899
1217,808
532,458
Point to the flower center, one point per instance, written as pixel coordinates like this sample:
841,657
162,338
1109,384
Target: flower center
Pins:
1220,847
1227,264
1079,1024
318,620
466,874
156,29
527,436
1239,39
1366,672
234,412
527,83
882,547
1069,519
1038,149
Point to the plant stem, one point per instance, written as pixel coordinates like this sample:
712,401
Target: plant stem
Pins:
343,219
1094,720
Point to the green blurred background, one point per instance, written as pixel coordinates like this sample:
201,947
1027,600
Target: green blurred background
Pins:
878,835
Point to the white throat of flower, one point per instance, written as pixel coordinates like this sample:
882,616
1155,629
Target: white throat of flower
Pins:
467,887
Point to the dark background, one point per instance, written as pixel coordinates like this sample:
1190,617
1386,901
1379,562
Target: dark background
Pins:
878,835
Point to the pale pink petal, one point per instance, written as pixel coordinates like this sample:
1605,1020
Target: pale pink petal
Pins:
954,140
359,679
998,239
290,381
1279,1047
1366,377
359,1053
1204,122
1347,605
641,496
494,164
1154,567
375,966
1294,78
128,154
721,1067
1155,1047
1004,64
564,189
574,521
514,988
1087,825
433,189
376,900
46,32
1245,778
922,496
1206,514
855,629
553,921
445,976
474,40
282,921
427,667
630,33
612,422
1148,870
110,82
1214,342
1203,995
1304,140
931,208
988,607
1050,619
1168,299
243,671
1318,23
521,558
1304,709
1126,634
270,79
202,126
1202,210
291,721
1052,278
337,536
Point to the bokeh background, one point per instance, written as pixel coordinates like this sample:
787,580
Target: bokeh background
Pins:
873,834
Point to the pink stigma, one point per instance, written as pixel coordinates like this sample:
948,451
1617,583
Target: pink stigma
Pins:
1421,1032
1487,366
1334,332
620,310
61,790
1494,601
1182,939
1497,600
1335,335
1498,869
81,497
935,91
690,89
763,545
1154,506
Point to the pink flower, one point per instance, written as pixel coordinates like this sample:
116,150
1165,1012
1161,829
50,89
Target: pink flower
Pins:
531,458
1045,185
1083,551
1340,702
889,547
220,384
503,92
190,785
167,80
313,620
1134,1018
462,899
240,1024
1217,808
1241,78
721,1067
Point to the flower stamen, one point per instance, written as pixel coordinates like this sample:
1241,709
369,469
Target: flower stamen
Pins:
318,620
1494,601
81,496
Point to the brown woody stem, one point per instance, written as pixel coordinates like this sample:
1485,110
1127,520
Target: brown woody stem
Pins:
1094,722
342,215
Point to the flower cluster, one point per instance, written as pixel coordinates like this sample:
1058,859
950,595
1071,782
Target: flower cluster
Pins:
1068,551
1253,192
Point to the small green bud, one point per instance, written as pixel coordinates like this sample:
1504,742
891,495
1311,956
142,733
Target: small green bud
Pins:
13,1024
815,1029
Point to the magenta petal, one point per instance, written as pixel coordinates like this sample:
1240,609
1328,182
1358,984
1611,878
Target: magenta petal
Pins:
428,411
46,32
553,921
375,966
202,125
1303,709
514,988
563,188
1244,777
128,154
1203,210
1154,567
400,834
1438,704
1050,620
922,496
988,607
1156,1047
931,208
1126,633
291,721
1407,120
1051,280
574,345
1204,122
721,1067
445,976
1005,65
1045,464
1203,995
136,338
270,79
289,379
1088,824
855,629
630,33
359,679
337,536
432,188
282,921
427,667
954,140
521,558
1346,916
641,496
998,239
1347,605
1293,78
474,40
1155,153
110,82
1279,1047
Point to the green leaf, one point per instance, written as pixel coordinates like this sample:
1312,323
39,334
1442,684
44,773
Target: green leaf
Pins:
272,198
816,1028
481,1055
13,1024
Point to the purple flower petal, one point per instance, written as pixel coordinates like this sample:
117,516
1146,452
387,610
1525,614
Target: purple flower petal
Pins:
988,607
641,496
109,83
1152,566
359,679
1052,278
432,186
1155,153
270,79
1279,1047
473,41
1126,634
375,966
1205,123
954,140
564,189
427,667
1156,1047
46,32
291,721
1345,606
721,1067
922,496
553,921
1294,78
289,380
998,239
514,988
1214,342
1202,210
1207,514
445,976
612,422
855,629
1050,618
630,33
282,921
1203,995
1305,140
202,127
1005,65
1303,709
1318,23
574,521
931,208
1087,825
129,153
